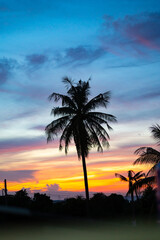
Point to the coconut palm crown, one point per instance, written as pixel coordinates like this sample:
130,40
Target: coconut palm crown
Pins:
79,122
148,155
133,179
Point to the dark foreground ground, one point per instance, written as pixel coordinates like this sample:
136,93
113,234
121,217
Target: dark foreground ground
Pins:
110,218
77,229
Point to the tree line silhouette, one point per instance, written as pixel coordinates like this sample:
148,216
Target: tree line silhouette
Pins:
112,207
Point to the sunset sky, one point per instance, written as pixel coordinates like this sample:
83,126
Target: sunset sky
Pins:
117,44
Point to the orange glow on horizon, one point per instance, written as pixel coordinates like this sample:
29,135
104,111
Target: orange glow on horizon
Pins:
49,167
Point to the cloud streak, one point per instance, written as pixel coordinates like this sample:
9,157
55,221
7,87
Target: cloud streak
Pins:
136,35
21,144
6,67
35,61
17,175
80,55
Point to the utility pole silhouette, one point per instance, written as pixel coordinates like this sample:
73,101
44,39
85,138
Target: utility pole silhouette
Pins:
5,191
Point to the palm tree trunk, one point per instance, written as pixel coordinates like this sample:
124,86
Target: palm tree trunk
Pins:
85,183
136,194
132,202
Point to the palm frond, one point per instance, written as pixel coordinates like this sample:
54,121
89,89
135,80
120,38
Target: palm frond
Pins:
100,131
100,121
155,130
66,101
147,155
55,126
138,175
100,100
66,134
140,151
121,177
143,182
68,137
94,137
152,170
104,116
67,81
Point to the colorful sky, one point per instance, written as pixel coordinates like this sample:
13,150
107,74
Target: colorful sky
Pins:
117,44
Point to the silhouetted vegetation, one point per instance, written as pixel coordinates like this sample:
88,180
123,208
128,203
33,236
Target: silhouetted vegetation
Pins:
42,202
21,199
112,207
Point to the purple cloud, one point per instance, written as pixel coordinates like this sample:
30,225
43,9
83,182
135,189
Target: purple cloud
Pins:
17,175
36,60
39,128
22,143
53,187
136,35
21,115
147,93
80,55
6,67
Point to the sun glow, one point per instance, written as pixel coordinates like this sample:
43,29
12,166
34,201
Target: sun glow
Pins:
51,167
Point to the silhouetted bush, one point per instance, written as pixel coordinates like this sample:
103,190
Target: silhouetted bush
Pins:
146,206
21,199
113,206
42,202
71,206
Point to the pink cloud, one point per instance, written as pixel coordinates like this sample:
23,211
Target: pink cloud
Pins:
53,187
134,35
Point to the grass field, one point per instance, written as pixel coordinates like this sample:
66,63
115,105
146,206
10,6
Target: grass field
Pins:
76,230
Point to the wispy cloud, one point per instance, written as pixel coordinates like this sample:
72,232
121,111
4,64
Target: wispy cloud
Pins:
135,35
39,128
147,93
6,67
21,144
18,175
80,55
35,61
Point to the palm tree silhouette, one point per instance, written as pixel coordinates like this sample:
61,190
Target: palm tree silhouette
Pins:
132,179
149,155
79,121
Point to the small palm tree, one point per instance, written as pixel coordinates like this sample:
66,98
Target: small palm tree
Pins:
149,155
77,120
133,178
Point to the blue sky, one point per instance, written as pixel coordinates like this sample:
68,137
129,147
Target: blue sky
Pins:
116,43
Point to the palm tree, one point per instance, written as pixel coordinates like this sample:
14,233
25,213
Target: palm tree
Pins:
149,155
78,121
133,179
